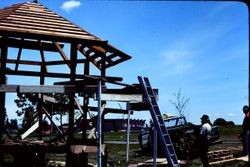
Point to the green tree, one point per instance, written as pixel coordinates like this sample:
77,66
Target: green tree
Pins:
27,106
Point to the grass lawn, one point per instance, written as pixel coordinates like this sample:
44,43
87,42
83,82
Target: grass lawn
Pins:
117,152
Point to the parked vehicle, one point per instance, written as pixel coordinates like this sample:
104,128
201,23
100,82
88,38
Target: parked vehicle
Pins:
184,137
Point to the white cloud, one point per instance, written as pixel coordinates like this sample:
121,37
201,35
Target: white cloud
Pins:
70,5
231,114
178,61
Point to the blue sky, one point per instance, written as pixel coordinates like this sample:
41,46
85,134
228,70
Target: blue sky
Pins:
198,47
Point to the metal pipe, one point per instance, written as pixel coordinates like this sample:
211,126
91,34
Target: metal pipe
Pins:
154,146
99,124
128,137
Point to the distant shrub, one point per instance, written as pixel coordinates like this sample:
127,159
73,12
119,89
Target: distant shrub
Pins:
221,121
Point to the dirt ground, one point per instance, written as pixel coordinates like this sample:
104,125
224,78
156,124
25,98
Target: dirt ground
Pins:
230,142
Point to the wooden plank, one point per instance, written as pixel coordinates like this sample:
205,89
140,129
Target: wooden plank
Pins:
36,19
63,24
121,97
78,106
43,25
42,12
8,88
48,98
37,89
32,27
54,35
46,89
30,130
78,149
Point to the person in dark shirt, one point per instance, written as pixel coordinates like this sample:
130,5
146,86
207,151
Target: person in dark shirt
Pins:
246,132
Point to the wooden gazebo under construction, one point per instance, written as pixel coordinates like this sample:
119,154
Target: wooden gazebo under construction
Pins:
34,28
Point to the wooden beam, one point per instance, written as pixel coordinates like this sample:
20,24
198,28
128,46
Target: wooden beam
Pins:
61,75
38,74
141,106
26,62
62,62
30,44
37,89
43,35
29,62
110,110
90,79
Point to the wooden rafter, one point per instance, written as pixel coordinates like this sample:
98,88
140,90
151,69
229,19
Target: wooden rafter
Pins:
60,50
102,56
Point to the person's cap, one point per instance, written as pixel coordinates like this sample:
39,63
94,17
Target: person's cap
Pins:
205,117
245,108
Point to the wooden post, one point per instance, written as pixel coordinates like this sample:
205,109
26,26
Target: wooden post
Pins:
73,58
85,98
41,155
3,56
42,82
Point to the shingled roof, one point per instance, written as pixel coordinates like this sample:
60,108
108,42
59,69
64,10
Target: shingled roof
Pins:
32,20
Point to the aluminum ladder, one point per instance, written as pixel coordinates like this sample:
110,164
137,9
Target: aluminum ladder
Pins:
162,131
